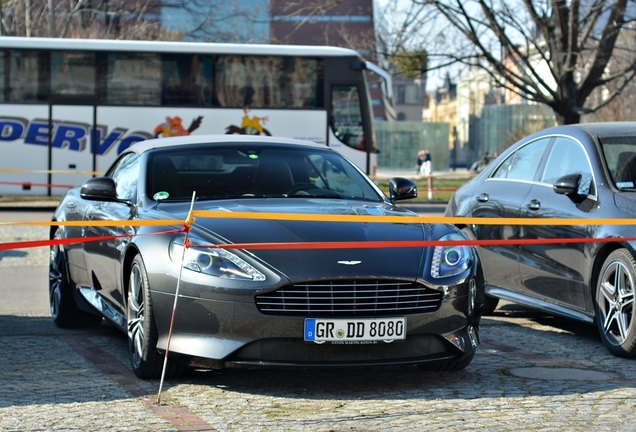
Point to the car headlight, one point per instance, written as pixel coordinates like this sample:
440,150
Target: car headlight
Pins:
212,261
451,260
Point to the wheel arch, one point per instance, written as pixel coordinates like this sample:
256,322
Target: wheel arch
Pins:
602,254
130,255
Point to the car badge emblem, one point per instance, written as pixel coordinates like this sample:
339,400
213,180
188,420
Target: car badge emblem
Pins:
349,262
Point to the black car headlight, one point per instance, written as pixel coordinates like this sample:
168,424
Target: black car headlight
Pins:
451,260
213,261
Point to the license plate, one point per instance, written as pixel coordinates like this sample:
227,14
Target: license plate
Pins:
347,330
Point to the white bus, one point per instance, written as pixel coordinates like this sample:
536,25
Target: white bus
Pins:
75,104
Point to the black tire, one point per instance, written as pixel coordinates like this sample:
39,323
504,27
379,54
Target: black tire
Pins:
614,303
141,327
490,303
447,365
64,310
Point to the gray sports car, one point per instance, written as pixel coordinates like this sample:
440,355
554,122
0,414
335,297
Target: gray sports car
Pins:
336,306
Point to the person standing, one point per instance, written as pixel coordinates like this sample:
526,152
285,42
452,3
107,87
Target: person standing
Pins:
425,168
420,161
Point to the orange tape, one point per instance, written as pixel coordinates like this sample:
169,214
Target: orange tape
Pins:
409,219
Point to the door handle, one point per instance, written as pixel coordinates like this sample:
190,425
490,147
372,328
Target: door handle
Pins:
483,197
534,204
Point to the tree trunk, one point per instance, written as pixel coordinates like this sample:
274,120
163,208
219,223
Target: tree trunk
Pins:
566,117
51,19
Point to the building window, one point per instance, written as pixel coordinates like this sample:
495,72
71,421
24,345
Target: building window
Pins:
401,94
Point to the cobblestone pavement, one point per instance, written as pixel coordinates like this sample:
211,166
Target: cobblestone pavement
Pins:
532,372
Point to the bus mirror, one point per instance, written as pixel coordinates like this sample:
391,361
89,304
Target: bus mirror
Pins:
358,65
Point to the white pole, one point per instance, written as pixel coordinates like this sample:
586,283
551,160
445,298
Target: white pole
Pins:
176,297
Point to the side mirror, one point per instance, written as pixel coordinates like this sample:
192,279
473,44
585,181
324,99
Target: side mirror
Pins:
401,189
567,185
99,189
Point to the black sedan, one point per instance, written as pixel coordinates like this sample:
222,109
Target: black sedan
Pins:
260,307
579,171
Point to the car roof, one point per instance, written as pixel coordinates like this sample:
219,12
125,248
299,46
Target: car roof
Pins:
159,143
599,129
610,129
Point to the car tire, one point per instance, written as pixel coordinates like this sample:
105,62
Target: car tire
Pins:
614,303
146,361
490,303
447,365
64,310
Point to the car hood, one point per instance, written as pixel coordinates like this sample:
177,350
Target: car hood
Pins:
402,263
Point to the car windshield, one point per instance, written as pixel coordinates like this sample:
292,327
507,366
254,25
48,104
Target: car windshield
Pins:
620,156
254,171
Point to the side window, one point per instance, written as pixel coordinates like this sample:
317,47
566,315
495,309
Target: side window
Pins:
72,73
28,82
2,90
568,157
522,164
346,115
186,80
133,79
126,174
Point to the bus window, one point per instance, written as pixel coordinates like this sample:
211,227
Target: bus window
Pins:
72,73
186,80
25,76
267,81
2,90
133,79
346,115
302,76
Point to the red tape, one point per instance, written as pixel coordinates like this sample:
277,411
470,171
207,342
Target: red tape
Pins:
40,243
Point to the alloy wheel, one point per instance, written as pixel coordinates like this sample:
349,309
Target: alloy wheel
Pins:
136,318
616,302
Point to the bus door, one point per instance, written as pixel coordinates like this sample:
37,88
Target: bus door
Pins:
71,161
350,128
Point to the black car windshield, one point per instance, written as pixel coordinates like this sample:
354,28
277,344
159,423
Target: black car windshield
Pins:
243,171
620,156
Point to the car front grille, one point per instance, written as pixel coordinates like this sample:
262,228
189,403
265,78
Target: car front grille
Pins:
345,298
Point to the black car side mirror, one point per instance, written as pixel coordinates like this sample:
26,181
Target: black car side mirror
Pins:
401,188
567,185
99,189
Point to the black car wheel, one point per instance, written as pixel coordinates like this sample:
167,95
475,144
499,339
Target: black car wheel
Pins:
490,303
64,310
146,361
614,302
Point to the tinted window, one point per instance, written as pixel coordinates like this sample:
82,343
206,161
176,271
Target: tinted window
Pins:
254,171
72,73
523,164
346,115
133,79
187,80
266,81
25,77
125,173
620,156
2,75
568,157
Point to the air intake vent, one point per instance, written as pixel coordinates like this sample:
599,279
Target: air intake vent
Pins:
345,298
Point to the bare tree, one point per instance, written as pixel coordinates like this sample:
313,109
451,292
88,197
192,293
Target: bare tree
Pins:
554,52
203,20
